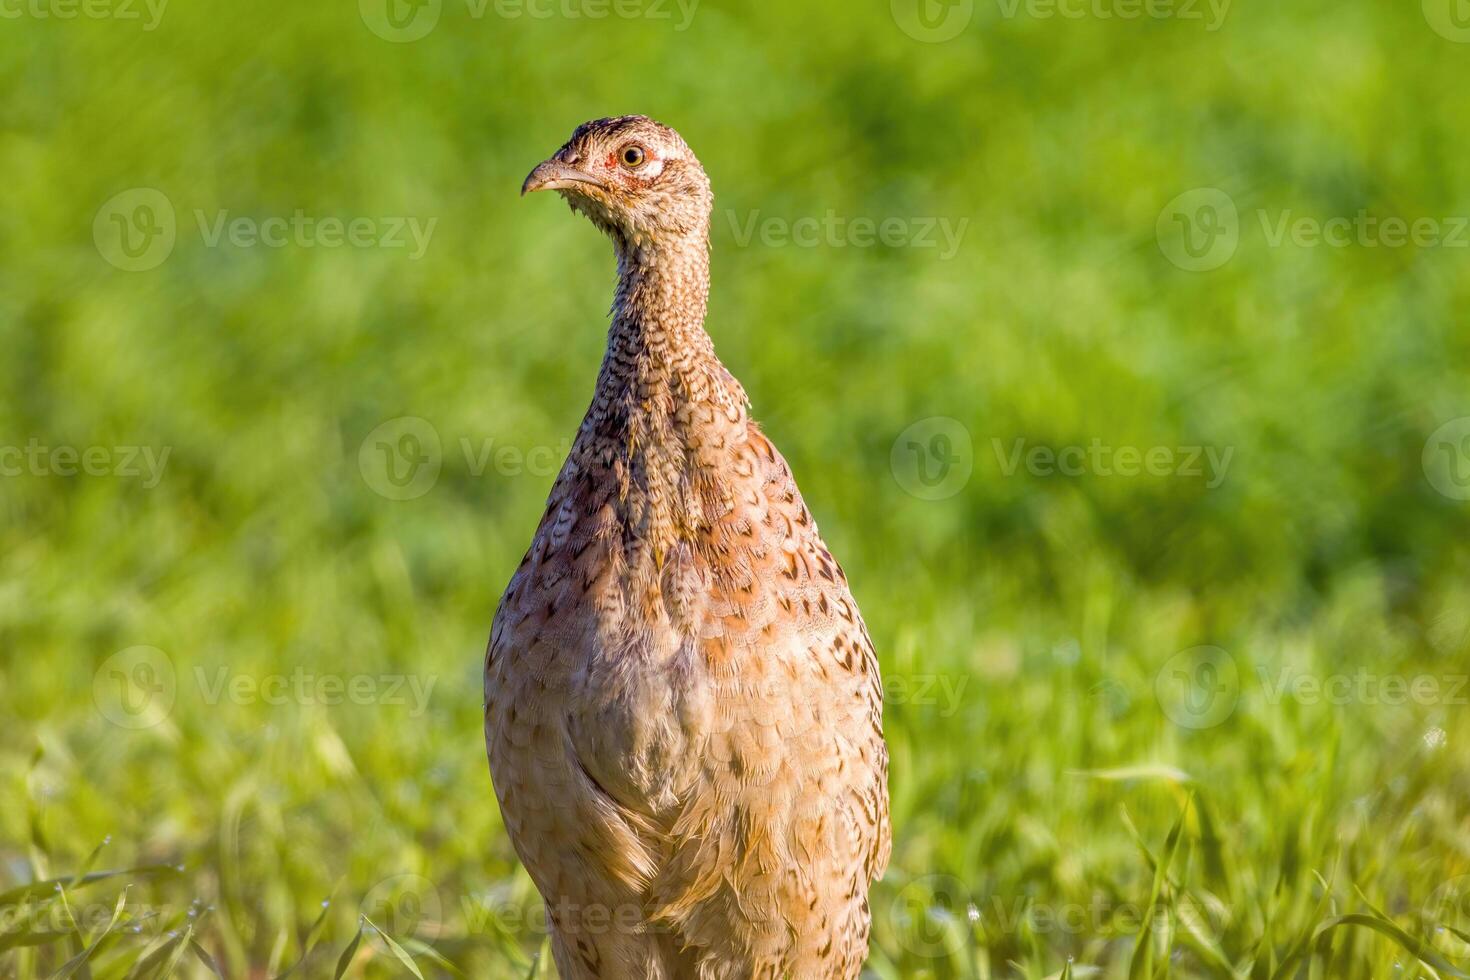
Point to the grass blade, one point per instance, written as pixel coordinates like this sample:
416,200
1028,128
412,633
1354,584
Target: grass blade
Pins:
309,942
202,955
46,886
79,961
345,960
397,950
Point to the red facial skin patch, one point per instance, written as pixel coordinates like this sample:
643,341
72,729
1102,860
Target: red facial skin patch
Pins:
612,158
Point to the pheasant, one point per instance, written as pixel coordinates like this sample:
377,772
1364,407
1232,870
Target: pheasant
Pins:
683,711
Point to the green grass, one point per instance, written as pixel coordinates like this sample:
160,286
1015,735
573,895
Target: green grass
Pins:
1061,806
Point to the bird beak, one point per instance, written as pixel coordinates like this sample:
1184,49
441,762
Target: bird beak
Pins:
553,175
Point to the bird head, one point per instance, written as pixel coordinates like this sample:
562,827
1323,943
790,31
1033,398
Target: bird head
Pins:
636,179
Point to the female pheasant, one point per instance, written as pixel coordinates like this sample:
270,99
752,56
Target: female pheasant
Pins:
683,711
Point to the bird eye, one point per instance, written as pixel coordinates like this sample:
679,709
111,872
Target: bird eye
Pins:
633,157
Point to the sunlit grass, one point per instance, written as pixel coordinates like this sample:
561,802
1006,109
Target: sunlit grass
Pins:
1169,724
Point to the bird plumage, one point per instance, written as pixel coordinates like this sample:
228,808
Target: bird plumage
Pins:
683,711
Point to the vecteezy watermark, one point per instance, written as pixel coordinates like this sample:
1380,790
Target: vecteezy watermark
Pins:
1199,230
1211,13
137,229
926,911
504,459
1448,915
924,915
834,231
1450,19
1447,459
302,230
937,21
1112,696
403,21
37,459
942,691
1363,687
932,21
933,458
139,687
402,458
496,914
1199,687
1363,230
1099,915
303,687
135,688
42,913
146,12
1097,459
405,905
930,916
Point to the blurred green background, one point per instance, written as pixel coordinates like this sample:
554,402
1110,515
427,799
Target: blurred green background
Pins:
1085,668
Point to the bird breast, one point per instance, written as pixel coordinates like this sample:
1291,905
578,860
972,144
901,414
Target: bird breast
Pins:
636,728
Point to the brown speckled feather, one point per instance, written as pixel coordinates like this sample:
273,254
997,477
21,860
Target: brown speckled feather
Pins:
683,709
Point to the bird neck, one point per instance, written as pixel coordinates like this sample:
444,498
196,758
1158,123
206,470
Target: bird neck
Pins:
661,299
659,360
665,405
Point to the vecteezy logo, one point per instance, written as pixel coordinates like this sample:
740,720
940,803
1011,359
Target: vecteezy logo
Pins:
404,905
135,230
1198,687
924,912
1112,695
400,459
135,688
1199,230
1447,459
1448,909
1450,19
932,21
933,458
400,21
